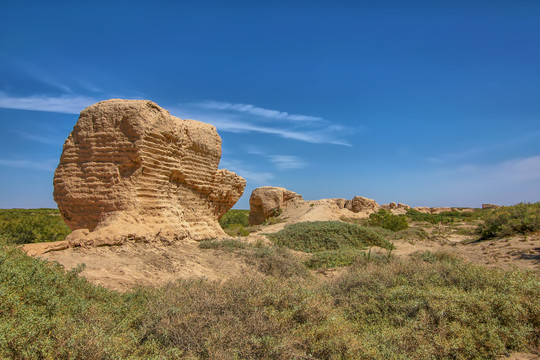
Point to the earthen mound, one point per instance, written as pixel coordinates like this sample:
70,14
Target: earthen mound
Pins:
130,170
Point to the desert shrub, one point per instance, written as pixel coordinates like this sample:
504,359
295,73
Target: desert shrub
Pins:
333,258
22,226
277,261
327,235
510,220
415,215
436,306
447,217
248,318
432,306
235,223
269,260
387,220
233,217
225,244
48,313
236,230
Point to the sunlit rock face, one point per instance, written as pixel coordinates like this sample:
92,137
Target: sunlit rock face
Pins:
130,170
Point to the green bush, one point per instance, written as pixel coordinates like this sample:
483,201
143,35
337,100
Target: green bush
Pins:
22,226
333,258
233,217
387,220
236,230
235,223
327,235
510,220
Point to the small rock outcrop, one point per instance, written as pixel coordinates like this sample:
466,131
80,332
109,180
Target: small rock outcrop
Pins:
269,201
130,170
396,209
489,206
438,210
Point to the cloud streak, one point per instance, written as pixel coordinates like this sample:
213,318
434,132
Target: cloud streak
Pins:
256,177
36,138
66,104
244,118
287,162
313,131
257,111
47,165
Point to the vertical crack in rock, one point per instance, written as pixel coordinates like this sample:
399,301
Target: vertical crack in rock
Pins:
130,170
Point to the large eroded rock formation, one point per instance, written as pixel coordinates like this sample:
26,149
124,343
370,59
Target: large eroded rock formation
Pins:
130,170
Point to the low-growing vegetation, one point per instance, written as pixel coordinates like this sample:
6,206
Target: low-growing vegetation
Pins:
432,306
327,235
511,220
23,226
332,243
269,260
447,217
235,223
387,220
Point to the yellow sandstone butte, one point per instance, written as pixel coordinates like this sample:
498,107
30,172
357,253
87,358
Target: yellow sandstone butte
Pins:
130,170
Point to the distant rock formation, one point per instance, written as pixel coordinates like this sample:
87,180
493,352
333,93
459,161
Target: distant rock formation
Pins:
438,210
490,206
130,170
396,209
268,201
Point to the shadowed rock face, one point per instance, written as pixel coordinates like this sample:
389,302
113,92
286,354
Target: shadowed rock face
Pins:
131,170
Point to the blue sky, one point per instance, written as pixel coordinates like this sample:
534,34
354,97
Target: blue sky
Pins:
433,103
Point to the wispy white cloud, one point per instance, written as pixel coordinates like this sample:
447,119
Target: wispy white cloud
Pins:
287,162
47,165
315,133
67,104
255,110
252,176
523,169
36,138
310,129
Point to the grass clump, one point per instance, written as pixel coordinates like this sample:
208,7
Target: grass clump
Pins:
327,235
23,226
387,220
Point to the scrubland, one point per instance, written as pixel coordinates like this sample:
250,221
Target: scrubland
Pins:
376,304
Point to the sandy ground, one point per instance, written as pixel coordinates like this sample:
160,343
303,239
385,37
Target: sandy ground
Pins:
143,264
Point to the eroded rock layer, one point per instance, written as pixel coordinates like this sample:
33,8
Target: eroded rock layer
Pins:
131,170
